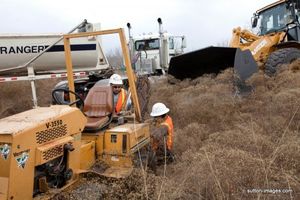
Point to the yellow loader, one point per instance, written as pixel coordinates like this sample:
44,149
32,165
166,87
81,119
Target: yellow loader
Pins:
276,43
48,147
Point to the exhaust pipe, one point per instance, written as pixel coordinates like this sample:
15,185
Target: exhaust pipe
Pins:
163,47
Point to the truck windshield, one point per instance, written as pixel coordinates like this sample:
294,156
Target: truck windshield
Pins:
274,19
149,44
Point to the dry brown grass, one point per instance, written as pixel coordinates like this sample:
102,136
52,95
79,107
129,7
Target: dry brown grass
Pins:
226,145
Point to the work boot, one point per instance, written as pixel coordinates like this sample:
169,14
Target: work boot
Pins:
170,157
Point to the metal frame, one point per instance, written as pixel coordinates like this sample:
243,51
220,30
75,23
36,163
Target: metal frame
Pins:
271,5
129,71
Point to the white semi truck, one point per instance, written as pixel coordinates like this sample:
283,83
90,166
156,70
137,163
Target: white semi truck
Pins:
151,53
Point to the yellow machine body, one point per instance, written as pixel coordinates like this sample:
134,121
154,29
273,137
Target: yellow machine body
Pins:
36,137
46,148
115,147
260,46
32,138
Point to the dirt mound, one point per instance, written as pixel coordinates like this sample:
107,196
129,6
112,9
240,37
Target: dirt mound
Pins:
16,97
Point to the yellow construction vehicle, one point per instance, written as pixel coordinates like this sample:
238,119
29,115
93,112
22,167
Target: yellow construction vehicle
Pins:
48,147
276,43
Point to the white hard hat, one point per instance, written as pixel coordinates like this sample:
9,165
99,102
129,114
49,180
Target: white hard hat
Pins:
159,109
115,79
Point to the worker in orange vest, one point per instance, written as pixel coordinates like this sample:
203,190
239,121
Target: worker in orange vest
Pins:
162,135
119,93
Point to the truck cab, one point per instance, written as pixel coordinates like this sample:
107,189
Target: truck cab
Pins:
151,53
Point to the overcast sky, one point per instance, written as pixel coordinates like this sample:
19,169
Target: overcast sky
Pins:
204,23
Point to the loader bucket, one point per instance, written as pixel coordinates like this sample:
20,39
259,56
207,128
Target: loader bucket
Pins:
213,60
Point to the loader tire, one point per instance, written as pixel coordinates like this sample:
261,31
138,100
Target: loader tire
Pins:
280,57
143,92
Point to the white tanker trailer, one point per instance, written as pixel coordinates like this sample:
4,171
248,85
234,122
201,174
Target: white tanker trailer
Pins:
17,51
42,56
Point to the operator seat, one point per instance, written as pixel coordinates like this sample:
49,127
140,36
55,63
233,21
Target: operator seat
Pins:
98,107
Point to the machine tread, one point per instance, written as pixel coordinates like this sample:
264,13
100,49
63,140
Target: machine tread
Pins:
280,57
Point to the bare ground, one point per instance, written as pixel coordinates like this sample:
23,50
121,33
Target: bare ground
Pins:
227,146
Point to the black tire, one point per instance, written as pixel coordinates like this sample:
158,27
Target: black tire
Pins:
280,57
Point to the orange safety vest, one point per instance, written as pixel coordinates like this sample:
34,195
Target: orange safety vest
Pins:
121,101
170,137
169,123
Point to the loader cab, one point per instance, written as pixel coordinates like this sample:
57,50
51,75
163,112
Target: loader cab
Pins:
277,17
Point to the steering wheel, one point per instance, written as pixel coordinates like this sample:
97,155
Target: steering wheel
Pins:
59,99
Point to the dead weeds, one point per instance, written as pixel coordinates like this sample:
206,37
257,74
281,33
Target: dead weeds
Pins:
227,146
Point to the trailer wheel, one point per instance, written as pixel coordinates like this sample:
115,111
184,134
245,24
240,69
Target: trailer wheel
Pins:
280,57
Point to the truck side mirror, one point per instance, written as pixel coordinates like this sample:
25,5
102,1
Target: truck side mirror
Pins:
159,21
254,21
183,43
141,47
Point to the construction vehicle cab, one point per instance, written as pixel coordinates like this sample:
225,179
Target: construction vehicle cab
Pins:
276,17
47,148
279,35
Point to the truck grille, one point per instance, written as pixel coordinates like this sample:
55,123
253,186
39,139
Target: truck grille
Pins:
50,134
